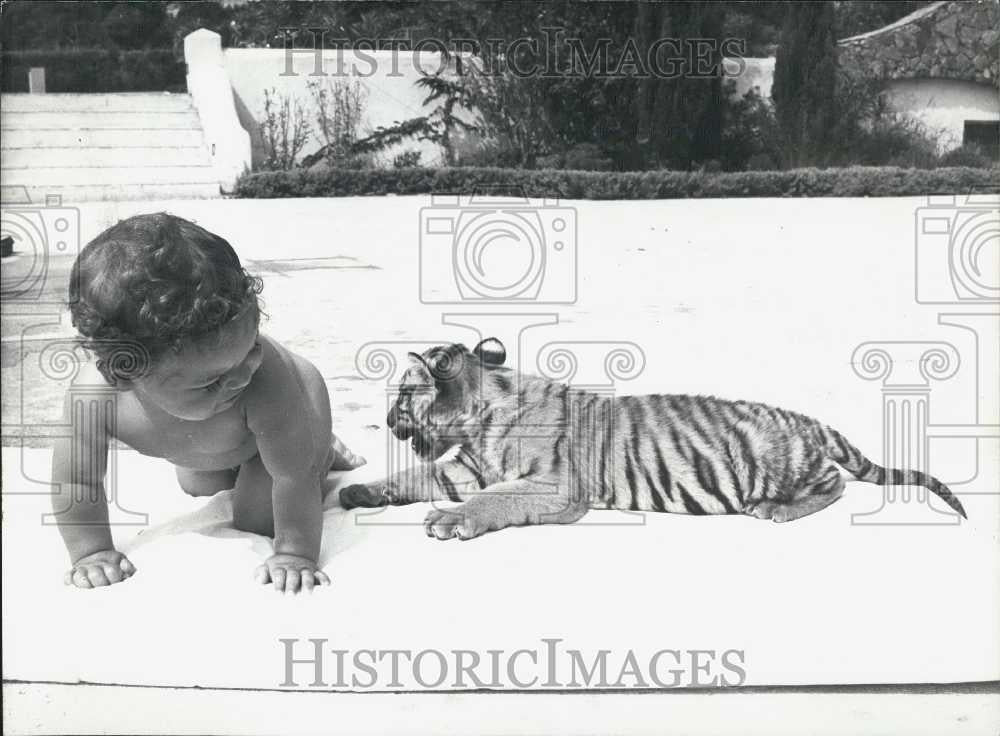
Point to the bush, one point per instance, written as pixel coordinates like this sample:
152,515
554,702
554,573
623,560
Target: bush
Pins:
969,154
477,152
284,131
95,70
760,162
856,181
581,157
340,110
406,159
890,140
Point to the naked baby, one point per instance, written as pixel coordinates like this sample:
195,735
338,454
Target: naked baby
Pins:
172,319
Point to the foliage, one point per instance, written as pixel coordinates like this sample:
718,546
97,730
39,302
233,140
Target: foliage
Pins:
340,110
116,25
752,134
448,93
284,131
581,157
855,181
805,77
971,154
95,70
406,160
864,132
860,16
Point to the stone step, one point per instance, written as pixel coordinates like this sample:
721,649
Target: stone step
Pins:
122,102
21,158
174,137
96,175
99,147
123,192
104,120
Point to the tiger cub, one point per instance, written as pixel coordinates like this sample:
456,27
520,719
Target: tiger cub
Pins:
519,449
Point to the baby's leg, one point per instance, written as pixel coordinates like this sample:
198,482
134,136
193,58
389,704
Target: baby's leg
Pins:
205,482
341,458
252,511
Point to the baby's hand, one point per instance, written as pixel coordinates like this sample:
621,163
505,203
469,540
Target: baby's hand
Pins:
96,570
290,572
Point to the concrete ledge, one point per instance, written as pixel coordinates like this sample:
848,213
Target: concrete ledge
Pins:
207,82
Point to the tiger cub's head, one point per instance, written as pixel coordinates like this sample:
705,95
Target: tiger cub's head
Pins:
442,387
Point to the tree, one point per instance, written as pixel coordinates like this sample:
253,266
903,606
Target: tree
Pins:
805,77
679,118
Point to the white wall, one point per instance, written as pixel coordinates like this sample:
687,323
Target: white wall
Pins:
757,73
388,77
943,105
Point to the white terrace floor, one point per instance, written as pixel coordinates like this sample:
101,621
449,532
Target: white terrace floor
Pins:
761,299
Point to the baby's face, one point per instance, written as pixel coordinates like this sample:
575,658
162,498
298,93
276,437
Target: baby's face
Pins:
205,377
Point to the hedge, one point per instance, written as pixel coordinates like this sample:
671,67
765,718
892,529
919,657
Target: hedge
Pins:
858,181
95,70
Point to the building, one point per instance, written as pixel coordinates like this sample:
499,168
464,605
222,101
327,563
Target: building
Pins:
940,64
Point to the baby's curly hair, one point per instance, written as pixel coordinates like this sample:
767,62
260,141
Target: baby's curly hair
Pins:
150,283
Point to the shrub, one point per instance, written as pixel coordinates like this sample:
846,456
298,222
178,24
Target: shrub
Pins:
284,131
475,151
890,140
340,111
581,157
95,70
969,154
855,181
760,162
406,160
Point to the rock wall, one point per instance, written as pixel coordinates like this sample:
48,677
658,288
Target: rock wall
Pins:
947,40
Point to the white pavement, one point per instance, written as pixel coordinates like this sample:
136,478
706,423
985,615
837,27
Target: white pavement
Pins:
760,299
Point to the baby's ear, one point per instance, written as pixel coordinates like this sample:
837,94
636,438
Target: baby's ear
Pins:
491,351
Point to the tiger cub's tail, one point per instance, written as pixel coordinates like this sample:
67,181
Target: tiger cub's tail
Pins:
850,458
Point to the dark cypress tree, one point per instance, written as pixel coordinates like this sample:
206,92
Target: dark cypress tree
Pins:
678,121
805,74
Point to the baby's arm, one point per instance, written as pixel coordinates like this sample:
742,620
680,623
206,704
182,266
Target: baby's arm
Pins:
288,410
79,505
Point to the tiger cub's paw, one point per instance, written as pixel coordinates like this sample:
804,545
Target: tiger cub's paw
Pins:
454,523
365,496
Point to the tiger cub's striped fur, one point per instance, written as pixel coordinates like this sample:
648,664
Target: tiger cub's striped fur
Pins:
519,449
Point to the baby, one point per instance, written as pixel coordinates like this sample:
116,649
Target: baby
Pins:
172,318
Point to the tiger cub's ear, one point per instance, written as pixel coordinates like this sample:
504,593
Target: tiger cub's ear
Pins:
419,361
490,351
